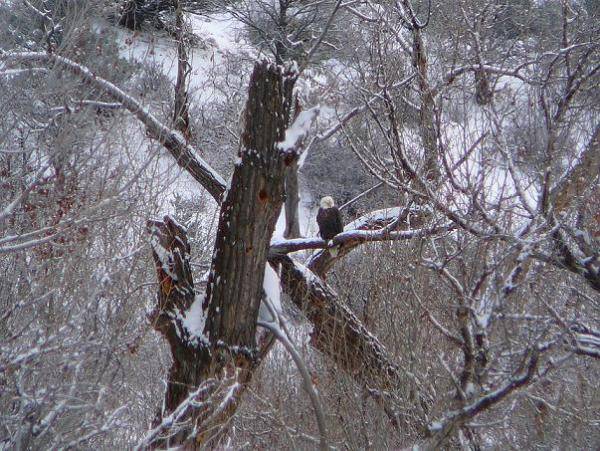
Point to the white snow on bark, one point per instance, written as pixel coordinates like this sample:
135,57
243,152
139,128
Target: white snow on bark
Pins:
386,214
194,318
193,321
272,287
164,255
298,130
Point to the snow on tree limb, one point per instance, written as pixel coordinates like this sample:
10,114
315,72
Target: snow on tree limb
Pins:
379,225
184,154
435,328
515,73
295,133
341,336
211,397
441,429
587,343
179,314
283,246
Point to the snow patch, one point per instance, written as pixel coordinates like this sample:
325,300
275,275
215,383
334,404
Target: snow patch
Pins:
279,227
306,217
193,321
272,287
386,214
164,256
299,129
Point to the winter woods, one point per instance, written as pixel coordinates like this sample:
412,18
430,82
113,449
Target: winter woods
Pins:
163,283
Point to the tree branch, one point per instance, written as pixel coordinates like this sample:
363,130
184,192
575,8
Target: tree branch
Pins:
340,335
578,179
353,238
384,221
442,430
184,154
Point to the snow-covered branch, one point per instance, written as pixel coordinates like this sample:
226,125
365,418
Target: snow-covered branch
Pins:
197,399
184,154
295,133
354,237
379,225
587,342
442,428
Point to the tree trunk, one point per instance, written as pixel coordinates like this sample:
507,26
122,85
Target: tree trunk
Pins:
249,212
136,12
427,123
181,116
129,16
292,198
226,349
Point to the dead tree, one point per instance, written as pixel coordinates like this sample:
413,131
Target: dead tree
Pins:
264,126
221,343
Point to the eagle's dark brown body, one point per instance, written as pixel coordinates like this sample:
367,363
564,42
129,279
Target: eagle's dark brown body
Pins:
329,220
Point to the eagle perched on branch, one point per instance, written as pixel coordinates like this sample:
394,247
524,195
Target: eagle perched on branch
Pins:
329,220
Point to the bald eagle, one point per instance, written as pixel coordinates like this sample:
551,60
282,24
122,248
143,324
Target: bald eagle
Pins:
329,220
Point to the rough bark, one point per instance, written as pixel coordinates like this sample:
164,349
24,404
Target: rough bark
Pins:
292,221
187,158
227,349
176,294
249,213
201,393
483,92
181,116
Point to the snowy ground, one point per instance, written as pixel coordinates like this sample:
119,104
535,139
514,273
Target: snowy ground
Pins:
220,36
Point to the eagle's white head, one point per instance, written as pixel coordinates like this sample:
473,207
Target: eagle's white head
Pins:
327,202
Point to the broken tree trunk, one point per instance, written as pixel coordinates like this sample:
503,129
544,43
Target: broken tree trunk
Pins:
249,212
216,342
